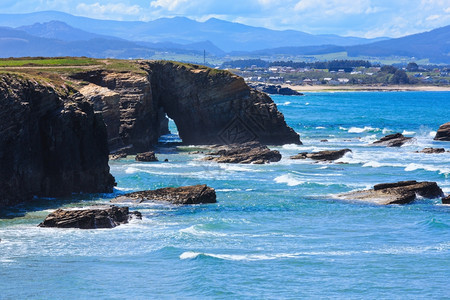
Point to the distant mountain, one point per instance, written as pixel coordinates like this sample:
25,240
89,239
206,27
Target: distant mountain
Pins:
199,47
16,43
227,36
61,31
434,45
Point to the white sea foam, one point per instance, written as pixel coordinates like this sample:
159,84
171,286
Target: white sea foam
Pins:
124,189
189,255
307,103
289,179
320,127
369,139
408,132
364,129
414,166
443,247
432,133
131,170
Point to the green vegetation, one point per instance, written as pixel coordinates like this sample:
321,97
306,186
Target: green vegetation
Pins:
51,61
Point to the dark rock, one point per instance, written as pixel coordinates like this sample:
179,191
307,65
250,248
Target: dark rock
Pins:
52,144
117,155
196,194
443,133
432,150
402,192
324,141
322,155
166,160
392,140
247,153
209,106
446,200
274,89
146,156
215,106
89,218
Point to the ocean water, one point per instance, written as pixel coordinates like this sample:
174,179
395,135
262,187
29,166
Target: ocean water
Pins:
276,232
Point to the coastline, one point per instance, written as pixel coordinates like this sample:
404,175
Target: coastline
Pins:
368,88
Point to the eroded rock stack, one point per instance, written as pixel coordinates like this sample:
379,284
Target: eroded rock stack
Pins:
443,133
52,144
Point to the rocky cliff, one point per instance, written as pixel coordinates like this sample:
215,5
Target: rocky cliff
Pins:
208,106
55,139
51,143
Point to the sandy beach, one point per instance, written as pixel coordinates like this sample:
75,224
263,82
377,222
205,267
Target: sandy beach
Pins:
367,88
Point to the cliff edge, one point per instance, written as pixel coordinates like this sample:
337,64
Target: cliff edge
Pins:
52,144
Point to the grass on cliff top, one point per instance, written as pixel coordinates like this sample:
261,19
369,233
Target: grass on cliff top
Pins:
47,61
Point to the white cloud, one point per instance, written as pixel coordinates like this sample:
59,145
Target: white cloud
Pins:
344,17
110,9
170,5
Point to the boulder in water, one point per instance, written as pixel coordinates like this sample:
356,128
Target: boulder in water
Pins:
327,155
90,217
246,153
401,192
392,140
146,156
443,133
195,194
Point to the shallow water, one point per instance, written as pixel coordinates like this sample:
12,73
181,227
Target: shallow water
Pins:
276,231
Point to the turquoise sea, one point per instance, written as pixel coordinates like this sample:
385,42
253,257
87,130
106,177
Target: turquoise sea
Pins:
276,232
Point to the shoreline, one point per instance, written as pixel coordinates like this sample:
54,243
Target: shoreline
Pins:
367,88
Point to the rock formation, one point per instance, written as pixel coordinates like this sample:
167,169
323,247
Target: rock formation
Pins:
247,153
274,89
446,200
443,133
146,156
52,138
432,150
90,217
208,106
402,192
52,143
392,140
327,155
196,194
134,120
216,107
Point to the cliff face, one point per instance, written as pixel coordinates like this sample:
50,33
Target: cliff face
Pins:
54,142
216,107
134,120
50,144
208,106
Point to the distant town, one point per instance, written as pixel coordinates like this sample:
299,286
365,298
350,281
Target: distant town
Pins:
338,72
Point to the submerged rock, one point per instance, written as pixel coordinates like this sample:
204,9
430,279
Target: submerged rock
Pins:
327,155
146,156
195,194
443,133
392,140
402,192
432,150
446,200
247,153
90,217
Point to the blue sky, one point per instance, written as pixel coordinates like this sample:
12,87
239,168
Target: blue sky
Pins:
365,18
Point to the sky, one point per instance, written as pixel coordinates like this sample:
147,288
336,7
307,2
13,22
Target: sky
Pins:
363,18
